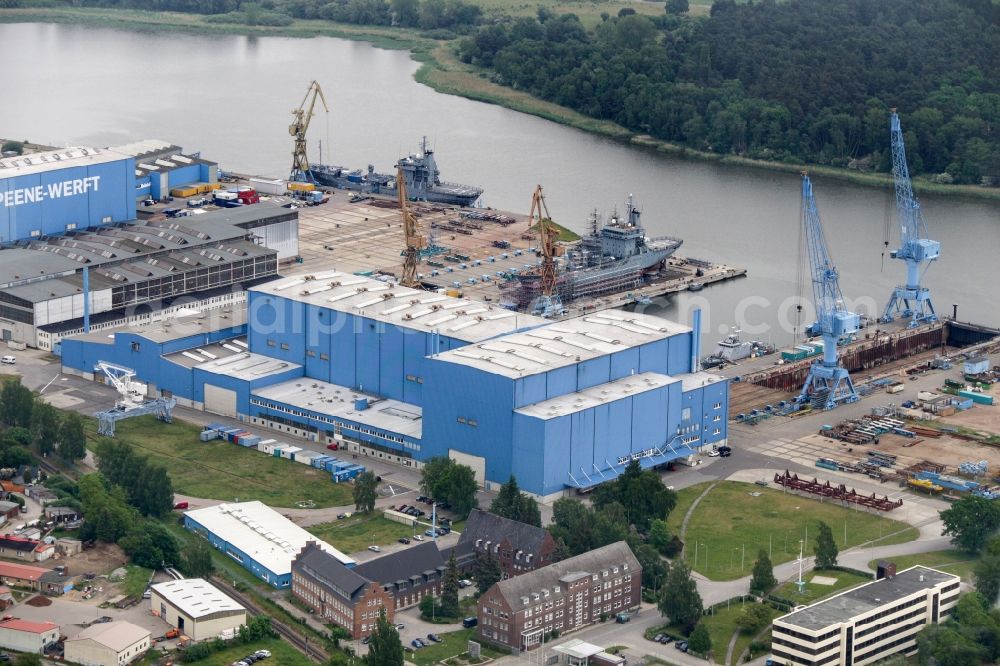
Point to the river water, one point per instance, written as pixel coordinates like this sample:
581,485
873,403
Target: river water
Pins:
230,97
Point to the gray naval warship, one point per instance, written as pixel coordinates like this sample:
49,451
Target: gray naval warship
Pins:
423,180
614,256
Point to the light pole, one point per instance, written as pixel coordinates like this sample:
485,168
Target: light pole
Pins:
743,555
800,582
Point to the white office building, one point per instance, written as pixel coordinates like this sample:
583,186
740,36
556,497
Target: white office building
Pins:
866,623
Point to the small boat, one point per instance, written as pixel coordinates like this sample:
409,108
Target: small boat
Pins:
696,286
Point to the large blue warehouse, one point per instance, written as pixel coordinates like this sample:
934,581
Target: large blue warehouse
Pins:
63,190
406,375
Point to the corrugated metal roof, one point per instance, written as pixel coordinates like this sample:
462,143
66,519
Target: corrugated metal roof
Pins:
52,160
196,597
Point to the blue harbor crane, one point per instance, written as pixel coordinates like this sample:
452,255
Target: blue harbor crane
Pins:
828,383
910,300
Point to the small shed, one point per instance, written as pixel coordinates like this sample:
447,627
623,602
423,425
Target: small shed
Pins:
9,510
976,365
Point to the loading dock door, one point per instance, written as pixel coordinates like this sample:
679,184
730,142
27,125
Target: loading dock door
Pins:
220,401
477,463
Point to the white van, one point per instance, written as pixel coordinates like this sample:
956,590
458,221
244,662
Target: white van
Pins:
9,360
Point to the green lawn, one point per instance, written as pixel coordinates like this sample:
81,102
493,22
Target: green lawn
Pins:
731,524
136,580
360,531
282,654
589,11
721,626
224,471
952,561
452,644
814,592
685,498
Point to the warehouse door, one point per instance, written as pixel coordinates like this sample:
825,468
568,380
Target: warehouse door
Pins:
477,463
220,401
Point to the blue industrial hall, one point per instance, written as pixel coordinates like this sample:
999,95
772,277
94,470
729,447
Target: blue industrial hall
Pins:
405,375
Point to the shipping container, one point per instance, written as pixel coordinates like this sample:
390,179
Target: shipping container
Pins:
978,398
271,187
320,461
290,451
208,435
301,187
185,191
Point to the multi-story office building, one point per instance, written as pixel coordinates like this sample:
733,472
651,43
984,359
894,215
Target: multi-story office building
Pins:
866,623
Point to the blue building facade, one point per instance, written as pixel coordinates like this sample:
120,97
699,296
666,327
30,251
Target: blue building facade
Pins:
75,188
410,375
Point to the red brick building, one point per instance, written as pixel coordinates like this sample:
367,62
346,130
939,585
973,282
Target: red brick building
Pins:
519,547
517,612
336,593
353,598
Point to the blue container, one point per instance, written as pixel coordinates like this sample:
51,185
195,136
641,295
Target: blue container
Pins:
320,462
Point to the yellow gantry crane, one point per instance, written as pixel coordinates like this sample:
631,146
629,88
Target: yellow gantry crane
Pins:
300,161
411,232
547,240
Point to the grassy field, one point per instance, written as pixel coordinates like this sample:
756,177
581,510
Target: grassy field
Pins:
721,626
685,498
731,524
589,11
360,531
136,580
814,592
224,471
952,561
282,654
452,644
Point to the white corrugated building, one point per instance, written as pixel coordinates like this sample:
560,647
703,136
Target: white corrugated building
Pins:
258,537
197,608
108,644
26,636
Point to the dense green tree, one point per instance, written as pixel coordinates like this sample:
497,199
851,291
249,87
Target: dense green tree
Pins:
257,628
753,618
462,489
654,568
72,440
677,6
449,589
365,491
699,641
16,404
640,492
572,524
16,436
763,580
434,476
150,545
45,426
971,521
488,571
384,648
153,492
659,536
826,549
109,517
679,600
15,146
196,560
407,12
511,503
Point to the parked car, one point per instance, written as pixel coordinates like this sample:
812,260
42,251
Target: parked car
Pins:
374,549
470,622
145,202
403,540
657,637
429,533
400,626
263,654
417,643
181,505
465,582
761,482
433,638
666,640
333,447
713,453
417,537
681,645
366,640
725,451
8,360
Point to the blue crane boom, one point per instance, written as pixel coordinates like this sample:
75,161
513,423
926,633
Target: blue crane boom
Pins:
910,300
828,384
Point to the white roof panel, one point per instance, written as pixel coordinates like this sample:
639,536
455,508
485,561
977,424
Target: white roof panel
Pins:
196,597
